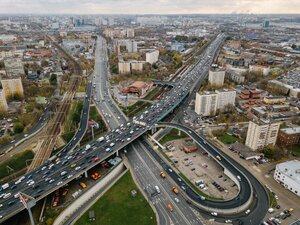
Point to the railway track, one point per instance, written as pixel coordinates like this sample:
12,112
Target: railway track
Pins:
52,134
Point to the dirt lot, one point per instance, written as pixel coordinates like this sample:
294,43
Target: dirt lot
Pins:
199,166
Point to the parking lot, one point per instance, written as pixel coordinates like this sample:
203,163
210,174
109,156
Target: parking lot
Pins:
202,170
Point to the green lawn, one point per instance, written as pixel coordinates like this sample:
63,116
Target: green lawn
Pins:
118,207
152,94
17,162
173,135
295,150
272,199
227,139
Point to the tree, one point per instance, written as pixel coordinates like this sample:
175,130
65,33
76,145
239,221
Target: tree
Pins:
44,63
53,79
18,127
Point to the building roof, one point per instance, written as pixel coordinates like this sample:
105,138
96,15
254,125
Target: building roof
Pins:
292,130
290,169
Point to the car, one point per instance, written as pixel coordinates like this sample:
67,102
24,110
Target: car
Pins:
176,200
77,168
71,175
59,183
247,211
51,181
214,213
228,221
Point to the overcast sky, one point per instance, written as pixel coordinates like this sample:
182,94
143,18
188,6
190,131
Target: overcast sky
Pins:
149,6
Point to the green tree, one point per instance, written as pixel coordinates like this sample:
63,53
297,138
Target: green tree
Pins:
53,79
18,127
44,63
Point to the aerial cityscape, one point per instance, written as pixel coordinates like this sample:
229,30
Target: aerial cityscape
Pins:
149,112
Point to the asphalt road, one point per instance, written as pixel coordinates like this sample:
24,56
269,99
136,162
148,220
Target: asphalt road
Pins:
115,140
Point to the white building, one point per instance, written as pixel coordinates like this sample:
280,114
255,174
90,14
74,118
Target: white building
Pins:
206,104
225,98
216,77
124,67
137,65
131,46
262,133
3,103
288,175
265,70
130,33
152,57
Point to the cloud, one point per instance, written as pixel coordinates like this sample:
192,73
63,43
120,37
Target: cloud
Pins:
146,6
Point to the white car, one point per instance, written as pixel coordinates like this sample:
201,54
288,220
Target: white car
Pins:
77,168
214,213
247,211
59,183
51,181
176,200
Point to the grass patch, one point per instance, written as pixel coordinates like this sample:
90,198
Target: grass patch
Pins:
172,135
117,206
197,190
17,162
152,94
295,150
135,108
82,86
272,200
228,139
72,121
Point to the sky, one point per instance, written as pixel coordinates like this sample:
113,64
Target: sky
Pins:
149,6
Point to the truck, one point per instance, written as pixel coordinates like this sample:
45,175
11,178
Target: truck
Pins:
100,139
170,207
87,147
175,190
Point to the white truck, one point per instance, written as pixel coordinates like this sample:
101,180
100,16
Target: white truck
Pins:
4,186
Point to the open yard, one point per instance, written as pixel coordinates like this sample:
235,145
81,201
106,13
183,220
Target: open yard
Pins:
228,139
173,135
117,206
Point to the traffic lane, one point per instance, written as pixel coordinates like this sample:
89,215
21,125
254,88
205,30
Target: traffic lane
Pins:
183,208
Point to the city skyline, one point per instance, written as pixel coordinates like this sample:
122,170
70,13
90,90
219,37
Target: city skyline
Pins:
146,7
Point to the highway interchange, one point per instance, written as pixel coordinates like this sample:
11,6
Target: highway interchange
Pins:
117,139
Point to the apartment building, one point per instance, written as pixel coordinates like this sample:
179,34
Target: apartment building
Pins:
289,136
130,33
124,67
216,77
206,104
152,57
261,133
288,175
225,97
131,46
3,103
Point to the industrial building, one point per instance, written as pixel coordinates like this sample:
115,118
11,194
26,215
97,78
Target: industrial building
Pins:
288,175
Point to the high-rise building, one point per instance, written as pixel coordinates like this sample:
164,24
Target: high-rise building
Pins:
137,65
289,136
152,57
3,103
206,104
225,98
216,77
131,46
130,33
266,24
124,67
262,133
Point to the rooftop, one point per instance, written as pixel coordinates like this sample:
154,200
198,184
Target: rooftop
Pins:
292,130
290,169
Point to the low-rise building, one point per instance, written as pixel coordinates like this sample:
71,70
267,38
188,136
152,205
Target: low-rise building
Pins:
261,133
235,77
289,136
288,175
274,99
265,70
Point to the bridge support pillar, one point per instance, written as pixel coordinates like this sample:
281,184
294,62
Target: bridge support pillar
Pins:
85,174
179,132
153,130
117,153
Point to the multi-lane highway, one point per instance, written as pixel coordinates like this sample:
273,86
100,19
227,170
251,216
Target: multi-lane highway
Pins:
56,173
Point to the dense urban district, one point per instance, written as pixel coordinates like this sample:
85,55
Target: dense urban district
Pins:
150,119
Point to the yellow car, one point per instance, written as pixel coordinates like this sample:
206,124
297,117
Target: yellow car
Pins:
73,165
